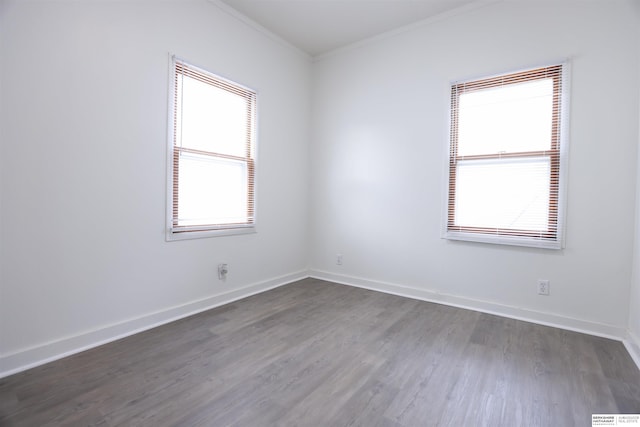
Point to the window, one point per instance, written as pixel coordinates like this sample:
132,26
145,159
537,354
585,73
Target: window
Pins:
506,158
212,162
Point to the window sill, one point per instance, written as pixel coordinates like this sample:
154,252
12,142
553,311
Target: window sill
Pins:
503,240
202,234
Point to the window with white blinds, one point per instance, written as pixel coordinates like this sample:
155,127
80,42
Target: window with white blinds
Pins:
212,161
507,158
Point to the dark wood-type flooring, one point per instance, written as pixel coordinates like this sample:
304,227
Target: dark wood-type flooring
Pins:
315,353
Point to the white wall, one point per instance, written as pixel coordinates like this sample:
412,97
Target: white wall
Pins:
83,110
84,122
634,297
380,140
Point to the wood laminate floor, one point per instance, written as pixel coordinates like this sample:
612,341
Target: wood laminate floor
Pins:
315,353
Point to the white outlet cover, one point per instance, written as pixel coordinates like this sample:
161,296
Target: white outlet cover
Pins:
543,287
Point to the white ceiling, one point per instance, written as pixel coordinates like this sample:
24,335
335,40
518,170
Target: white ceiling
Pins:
319,26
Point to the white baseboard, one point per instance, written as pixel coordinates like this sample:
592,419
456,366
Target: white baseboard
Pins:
44,353
547,319
632,343
48,352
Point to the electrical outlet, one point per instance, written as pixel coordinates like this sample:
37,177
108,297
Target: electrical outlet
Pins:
543,287
223,269
338,259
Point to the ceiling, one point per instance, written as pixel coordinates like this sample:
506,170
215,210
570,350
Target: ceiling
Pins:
319,26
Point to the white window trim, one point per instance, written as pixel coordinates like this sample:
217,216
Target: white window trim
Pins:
559,242
206,232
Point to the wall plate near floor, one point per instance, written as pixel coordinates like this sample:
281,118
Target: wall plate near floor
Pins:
543,287
223,269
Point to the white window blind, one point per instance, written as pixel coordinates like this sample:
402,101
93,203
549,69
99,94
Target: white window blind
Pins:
213,161
506,158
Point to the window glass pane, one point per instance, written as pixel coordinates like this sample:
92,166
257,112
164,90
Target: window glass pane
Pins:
503,193
211,190
513,118
211,119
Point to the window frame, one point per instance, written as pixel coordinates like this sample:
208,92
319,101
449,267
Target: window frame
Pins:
182,232
554,236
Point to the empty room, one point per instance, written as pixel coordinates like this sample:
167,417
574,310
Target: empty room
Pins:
319,213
